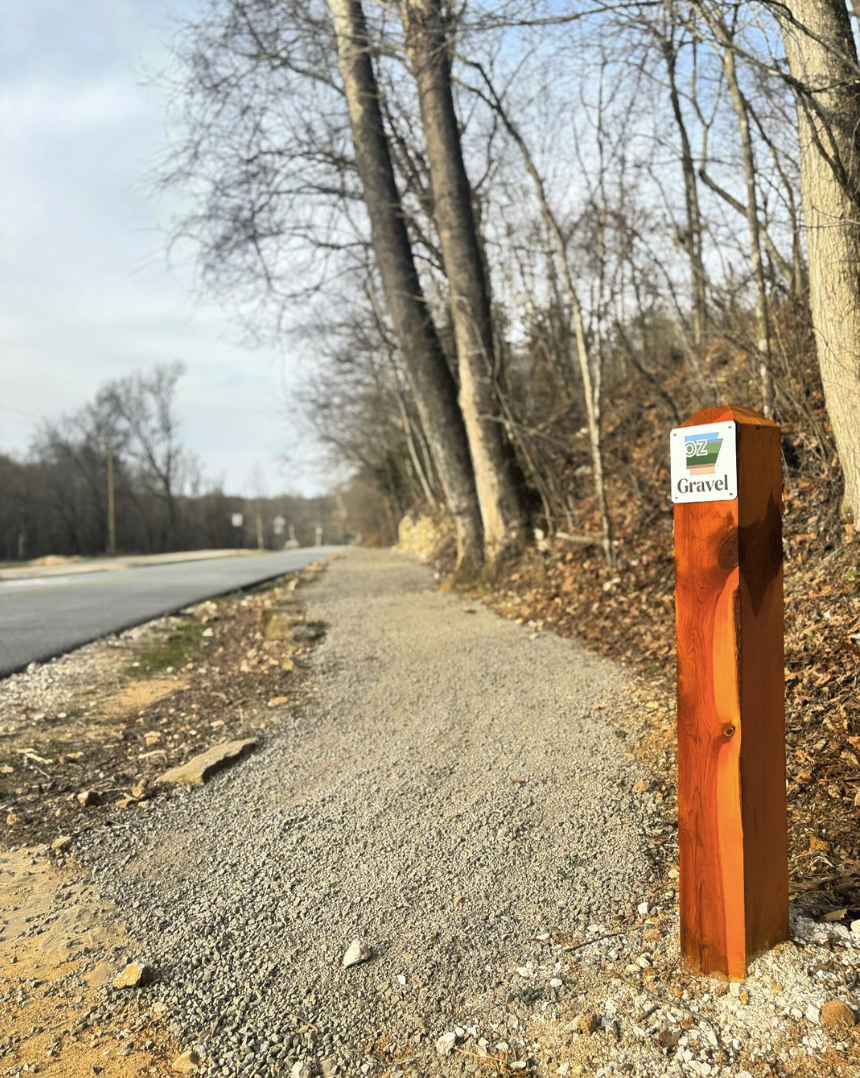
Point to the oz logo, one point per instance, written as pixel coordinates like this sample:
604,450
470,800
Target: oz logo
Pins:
701,452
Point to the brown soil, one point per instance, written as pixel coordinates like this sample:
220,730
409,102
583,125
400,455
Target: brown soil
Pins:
59,945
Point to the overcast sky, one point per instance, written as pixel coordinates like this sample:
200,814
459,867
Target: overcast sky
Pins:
85,290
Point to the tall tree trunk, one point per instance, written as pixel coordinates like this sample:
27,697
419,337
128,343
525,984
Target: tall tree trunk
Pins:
497,474
822,58
739,103
692,238
432,383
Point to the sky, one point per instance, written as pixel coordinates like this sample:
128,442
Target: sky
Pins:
86,290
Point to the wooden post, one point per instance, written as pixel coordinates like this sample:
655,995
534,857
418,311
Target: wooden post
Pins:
731,718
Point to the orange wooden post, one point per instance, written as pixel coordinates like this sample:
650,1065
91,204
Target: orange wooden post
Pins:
731,718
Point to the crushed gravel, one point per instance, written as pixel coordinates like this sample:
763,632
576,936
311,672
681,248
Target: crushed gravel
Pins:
453,797
446,863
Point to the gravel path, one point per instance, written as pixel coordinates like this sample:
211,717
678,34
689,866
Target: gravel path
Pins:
453,792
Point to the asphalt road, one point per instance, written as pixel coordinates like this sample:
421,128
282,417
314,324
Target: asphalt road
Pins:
47,616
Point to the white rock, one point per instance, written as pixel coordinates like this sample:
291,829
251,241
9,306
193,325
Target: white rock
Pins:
813,1013
855,926
642,909
564,1070
401,979
556,982
445,1044
358,951
302,1070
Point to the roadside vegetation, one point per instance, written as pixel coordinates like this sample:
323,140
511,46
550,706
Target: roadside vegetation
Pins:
88,733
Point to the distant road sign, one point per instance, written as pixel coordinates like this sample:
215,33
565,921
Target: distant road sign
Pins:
279,524
237,520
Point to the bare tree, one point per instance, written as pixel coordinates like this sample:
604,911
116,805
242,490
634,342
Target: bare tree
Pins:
432,384
822,56
142,410
497,476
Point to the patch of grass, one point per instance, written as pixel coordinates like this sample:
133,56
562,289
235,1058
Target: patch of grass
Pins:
171,651
566,871
528,995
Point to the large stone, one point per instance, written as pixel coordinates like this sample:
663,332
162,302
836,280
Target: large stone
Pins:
186,1063
201,767
277,622
135,975
445,1044
358,951
837,1015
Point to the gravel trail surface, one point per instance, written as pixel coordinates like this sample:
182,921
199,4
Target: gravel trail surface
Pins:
452,792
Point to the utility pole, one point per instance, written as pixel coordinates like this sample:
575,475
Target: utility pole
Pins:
111,510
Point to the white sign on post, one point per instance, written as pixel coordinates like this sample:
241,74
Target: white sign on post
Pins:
704,463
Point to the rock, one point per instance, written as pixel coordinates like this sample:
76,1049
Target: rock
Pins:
855,926
88,798
668,1038
445,1044
642,909
135,975
13,819
640,787
61,843
302,1069
813,1013
139,790
564,1070
586,1022
556,982
276,701
358,951
278,622
201,767
837,1015
307,634
186,1063
152,738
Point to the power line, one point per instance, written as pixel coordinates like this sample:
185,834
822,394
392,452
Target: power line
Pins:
19,411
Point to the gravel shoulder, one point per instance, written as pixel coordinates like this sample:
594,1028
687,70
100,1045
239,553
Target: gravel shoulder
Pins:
456,792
